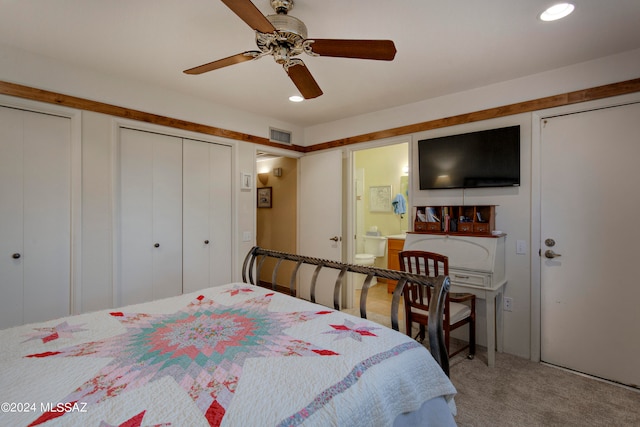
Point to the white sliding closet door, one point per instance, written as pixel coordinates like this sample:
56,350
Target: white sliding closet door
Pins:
207,215
35,217
150,216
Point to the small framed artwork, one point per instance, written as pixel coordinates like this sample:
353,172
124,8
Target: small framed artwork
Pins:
264,197
380,198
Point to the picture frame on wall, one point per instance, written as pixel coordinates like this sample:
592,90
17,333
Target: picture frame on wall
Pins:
380,198
264,197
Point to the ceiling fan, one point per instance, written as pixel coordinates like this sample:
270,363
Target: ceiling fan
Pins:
284,36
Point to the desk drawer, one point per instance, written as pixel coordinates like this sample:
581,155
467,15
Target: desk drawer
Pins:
467,278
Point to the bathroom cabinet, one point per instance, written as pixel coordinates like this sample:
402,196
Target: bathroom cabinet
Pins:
394,246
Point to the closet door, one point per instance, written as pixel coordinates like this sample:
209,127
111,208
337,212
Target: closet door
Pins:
150,216
207,215
35,217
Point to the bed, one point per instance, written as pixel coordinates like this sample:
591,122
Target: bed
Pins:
231,355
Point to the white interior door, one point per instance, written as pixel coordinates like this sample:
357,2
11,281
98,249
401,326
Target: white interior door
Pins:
221,217
320,218
11,217
207,215
150,240
35,217
589,204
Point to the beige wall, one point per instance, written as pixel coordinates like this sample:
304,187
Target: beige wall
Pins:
276,226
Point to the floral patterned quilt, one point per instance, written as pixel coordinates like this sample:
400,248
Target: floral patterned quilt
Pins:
235,355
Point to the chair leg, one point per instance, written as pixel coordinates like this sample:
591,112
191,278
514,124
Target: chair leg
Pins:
472,337
422,332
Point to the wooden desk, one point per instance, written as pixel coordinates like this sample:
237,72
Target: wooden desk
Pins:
492,298
476,265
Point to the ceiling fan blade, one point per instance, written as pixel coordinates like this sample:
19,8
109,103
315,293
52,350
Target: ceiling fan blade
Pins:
225,62
383,50
250,14
303,80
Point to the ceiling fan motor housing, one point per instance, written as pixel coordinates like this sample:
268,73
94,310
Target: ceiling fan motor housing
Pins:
286,41
282,6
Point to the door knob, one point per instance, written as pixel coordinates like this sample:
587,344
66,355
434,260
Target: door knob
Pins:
550,254
336,238
15,256
157,245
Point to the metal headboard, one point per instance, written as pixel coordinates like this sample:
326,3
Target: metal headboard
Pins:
255,260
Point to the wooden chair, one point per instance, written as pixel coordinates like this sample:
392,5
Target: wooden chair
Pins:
459,309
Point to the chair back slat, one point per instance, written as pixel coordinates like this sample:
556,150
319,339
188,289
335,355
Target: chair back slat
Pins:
418,297
423,263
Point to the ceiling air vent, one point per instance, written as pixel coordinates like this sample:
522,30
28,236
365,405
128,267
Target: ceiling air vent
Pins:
279,135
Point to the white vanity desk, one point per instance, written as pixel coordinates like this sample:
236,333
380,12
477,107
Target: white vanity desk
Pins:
477,266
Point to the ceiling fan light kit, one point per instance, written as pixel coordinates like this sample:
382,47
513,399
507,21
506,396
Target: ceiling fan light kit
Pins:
284,37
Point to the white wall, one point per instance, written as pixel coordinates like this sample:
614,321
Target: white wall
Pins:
514,211
95,235
616,68
96,290
513,216
17,66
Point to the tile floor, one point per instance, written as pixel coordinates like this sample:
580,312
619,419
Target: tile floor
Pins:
379,301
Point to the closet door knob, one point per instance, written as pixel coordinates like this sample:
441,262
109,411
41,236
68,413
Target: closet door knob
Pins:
157,245
15,256
206,242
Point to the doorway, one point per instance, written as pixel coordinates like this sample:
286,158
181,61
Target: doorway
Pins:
276,207
380,178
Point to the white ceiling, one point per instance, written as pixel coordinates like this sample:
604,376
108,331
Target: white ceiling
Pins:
443,46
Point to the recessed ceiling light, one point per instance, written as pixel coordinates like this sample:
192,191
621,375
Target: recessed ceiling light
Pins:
296,98
557,11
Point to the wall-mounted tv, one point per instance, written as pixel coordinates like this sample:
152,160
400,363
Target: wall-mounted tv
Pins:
488,158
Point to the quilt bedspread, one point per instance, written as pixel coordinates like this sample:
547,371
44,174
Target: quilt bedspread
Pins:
235,355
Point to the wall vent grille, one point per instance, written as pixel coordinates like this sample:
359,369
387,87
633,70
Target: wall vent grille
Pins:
279,135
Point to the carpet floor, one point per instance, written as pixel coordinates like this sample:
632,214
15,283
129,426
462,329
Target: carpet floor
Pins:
518,392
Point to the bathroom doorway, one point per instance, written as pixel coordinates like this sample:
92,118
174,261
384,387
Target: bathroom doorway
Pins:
380,209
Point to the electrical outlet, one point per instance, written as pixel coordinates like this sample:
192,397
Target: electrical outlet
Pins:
508,304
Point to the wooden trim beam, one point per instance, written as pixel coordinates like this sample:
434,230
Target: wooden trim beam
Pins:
600,92
26,92
606,91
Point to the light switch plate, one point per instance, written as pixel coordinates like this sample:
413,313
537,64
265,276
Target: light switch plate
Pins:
521,247
246,181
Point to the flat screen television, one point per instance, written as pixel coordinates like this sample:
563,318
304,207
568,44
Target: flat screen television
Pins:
488,158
